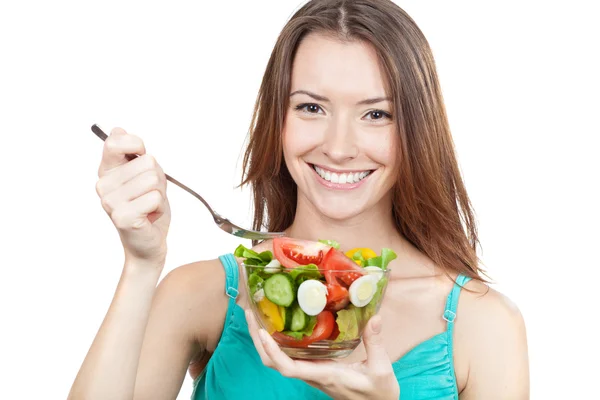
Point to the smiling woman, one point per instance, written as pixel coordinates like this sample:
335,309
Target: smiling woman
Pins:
349,142
346,132
354,89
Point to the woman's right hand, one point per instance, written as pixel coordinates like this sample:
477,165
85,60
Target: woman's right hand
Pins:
133,194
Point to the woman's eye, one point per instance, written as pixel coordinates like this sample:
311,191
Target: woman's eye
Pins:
309,108
378,115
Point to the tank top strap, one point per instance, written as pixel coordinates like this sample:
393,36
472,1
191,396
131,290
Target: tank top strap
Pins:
231,280
450,316
452,301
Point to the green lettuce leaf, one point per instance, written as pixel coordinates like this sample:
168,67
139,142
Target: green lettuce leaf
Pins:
348,321
251,257
387,255
359,257
382,261
255,283
306,332
331,243
310,271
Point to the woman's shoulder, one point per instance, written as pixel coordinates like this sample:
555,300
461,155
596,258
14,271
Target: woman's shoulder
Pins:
481,305
197,289
490,333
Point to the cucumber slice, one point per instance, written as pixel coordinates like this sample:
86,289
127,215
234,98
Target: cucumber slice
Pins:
299,319
286,316
280,289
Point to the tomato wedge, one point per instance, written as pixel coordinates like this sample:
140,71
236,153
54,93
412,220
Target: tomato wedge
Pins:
339,269
336,332
292,253
322,331
337,297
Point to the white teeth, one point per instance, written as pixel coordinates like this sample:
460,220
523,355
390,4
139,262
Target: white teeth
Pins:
343,178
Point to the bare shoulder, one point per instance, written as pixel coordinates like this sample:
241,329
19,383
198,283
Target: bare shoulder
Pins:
490,334
489,309
197,290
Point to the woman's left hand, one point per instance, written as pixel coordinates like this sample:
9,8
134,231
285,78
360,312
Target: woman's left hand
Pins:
372,378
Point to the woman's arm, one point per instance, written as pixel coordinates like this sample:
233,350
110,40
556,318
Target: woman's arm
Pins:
110,367
186,320
149,335
491,333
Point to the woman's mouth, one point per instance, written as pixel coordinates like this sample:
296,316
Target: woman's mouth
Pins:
341,179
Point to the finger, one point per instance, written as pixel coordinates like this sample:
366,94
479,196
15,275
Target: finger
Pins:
378,360
115,178
280,361
131,190
134,215
253,329
116,146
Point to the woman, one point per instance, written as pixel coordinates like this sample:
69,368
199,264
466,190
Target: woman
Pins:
350,93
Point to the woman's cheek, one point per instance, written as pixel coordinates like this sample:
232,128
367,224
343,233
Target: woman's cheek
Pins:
300,136
383,149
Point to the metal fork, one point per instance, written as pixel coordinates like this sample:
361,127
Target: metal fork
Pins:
221,222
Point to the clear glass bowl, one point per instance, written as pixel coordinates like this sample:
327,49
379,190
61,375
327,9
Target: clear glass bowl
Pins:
350,320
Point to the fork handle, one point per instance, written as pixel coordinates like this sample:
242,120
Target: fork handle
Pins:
100,133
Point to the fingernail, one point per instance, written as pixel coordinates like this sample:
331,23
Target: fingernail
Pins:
376,324
263,335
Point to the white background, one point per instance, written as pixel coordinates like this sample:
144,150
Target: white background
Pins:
520,79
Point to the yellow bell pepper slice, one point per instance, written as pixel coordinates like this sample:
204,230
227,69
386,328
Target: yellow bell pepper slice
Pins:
366,253
271,315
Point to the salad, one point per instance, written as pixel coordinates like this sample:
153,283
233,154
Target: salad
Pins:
307,291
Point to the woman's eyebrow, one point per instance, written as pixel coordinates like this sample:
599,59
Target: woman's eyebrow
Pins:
374,100
311,94
325,99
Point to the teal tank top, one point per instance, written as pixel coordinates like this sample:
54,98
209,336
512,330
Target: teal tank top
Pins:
235,370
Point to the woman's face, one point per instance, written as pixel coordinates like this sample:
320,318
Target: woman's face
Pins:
339,139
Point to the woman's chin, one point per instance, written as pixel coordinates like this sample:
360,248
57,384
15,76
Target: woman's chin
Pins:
339,212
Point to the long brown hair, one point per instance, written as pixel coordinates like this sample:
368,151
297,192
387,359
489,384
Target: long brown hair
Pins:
431,208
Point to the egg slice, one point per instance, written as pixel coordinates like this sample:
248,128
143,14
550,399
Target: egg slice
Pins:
312,296
259,295
273,267
374,271
362,290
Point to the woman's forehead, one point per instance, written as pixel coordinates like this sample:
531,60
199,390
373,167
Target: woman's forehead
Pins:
324,63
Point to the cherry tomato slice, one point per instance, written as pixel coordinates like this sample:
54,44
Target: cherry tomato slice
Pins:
292,253
337,297
339,269
335,333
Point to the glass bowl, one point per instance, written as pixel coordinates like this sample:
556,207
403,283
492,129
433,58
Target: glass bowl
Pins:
288,303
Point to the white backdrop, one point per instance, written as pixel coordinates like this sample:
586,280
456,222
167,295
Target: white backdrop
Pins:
520,79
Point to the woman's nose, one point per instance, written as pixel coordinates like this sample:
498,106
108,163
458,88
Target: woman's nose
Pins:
339,143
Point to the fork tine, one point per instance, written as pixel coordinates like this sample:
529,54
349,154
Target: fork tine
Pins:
235,230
